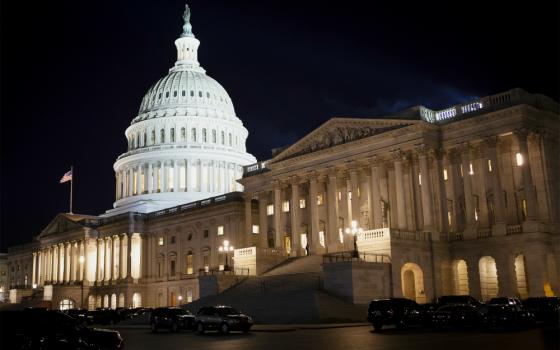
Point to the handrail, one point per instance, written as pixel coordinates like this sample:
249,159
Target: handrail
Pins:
351,256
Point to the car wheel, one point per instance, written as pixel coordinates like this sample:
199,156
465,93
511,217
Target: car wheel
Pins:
200,328
400,324
154,327
224,328
174,327
377,326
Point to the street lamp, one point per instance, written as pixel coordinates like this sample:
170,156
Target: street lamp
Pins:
180,298
354,230
226,248
82,259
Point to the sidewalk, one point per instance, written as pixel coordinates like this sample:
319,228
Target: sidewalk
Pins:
269,327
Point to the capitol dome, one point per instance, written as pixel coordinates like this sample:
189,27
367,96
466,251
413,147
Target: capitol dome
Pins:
186,143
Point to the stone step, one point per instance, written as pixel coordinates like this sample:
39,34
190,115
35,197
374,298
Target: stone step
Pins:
312,263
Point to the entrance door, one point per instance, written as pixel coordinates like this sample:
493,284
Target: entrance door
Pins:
173,301
304,242
409,286
288,244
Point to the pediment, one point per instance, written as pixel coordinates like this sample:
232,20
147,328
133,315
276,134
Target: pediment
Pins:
338,131
62,223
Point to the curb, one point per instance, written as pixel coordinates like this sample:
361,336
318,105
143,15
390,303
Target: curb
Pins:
264,329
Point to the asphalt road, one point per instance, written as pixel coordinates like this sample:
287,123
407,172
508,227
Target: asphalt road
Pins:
354,338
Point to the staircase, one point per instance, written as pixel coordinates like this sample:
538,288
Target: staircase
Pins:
291,292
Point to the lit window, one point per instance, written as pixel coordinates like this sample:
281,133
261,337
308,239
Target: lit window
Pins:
519,159
322,238
489,165
524,209
445,174
270,209
220,230
349,195
359,194
160,240
420,179
461,169
320,199
302,203
286,206
341,235
255,228
339,195
471,170
170,179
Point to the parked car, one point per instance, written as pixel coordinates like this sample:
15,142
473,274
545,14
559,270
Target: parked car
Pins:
457,299
42,329
79,315
505,301
395,311
455,316
222,318
545,309
172,318
103,316
505,316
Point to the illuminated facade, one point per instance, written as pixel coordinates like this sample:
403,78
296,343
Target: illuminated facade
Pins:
459,201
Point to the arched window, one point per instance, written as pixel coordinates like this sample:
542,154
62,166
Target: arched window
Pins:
133,142
172,134
153,138
183,135
193,134
213,136
121,300
145,139
204,139
230,139
488,277
106,300
162,136
91,302
223,138
66,304
113,301
189,263
136,300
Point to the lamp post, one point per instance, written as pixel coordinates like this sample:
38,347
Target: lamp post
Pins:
82,259
226,248
180,298
354,230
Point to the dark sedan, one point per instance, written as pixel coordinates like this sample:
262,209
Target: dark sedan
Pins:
172,318
396,311
223,319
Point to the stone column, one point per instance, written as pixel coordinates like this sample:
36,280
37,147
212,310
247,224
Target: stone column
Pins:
263,220
398,157
247,236
68,262
61,263
507,280
176,176
473,272
295,217
375,205
34,271
149,178
442,192
165,180
124,248
129,256
332,205
100,260
355,200
199,177
527,178
467,189
278,215
130,181
82,266
313,236
426,188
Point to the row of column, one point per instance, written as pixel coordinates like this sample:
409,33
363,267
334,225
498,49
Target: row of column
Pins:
93,260
431,183
178,176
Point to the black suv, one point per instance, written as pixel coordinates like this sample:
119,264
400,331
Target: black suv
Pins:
222,318
457,299
396,311
545,309
172,318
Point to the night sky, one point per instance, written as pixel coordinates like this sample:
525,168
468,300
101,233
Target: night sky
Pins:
73,74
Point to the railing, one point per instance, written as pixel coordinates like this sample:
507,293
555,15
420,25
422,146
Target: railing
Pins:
351,256
456,236
145,149
410,236
482,234
373,234
514,229
253,169
236,271
233,196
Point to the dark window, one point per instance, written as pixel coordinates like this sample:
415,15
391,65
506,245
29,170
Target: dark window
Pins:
183,93
192,93
205,233
167,94
172,267
174,93
172,239
190,236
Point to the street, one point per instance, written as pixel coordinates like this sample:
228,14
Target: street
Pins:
350,338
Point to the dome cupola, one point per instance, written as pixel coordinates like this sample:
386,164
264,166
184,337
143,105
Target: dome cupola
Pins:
186,143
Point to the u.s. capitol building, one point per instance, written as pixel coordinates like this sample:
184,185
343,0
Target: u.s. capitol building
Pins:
418,204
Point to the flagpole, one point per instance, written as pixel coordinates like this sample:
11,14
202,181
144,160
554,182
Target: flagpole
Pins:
71,186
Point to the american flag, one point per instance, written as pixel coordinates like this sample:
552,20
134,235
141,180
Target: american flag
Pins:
66,177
